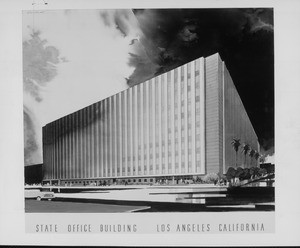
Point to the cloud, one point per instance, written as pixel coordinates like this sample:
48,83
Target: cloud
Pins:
187,33
96,50
39,68
122,20
39,64
142,53
32,144
259,19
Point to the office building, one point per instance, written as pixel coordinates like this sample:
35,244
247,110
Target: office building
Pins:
176,125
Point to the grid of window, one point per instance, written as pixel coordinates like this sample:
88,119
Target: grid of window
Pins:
152,128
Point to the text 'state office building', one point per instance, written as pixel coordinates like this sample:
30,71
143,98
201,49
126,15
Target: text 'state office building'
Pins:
176,125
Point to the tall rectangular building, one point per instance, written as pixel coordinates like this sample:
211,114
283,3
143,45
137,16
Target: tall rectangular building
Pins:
178,124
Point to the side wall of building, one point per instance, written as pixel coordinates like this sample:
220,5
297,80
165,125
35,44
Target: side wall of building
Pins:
214,113
237,125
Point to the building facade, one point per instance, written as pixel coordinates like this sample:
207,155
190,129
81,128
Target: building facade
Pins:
178,124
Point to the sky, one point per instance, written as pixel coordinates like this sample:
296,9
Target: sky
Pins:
71,59
74,58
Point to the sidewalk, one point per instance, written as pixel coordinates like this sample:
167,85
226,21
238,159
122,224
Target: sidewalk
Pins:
164,194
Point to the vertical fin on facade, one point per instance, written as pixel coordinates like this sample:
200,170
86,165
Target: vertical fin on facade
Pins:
179,123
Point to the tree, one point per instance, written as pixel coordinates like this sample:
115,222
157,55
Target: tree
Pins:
245,150
251,154
236,143
257,155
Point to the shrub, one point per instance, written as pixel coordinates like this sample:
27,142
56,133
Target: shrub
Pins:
210,178
239,172
245,174
230,173
262,171
198,180
254,171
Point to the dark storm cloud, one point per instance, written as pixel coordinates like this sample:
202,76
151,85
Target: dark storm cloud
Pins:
242,37
144,68
144,55
187,34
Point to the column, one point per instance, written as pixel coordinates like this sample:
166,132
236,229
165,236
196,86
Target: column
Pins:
142,126
166,121
115,135
223,117
69,145
82,144
179,119
193,116
91,142
202,115
120,134
159,125
100,126
186,153
134,128
102,138
147,112
136,134
108,109
86,144
125,132
90,139
172,122
153,128
97,145
111,135
130,116
76,134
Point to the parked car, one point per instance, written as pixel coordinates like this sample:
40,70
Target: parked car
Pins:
39,195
